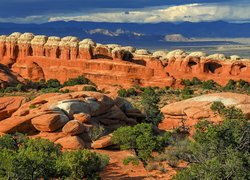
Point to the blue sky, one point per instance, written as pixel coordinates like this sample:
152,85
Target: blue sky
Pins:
143,11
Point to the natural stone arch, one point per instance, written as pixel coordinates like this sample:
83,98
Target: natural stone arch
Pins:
212,67
192,65
237,69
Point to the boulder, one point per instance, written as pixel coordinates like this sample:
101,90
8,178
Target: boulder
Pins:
8,77
191,110
73,128
103,142
73,106
82,117
21,124
50,121
8,105
71,142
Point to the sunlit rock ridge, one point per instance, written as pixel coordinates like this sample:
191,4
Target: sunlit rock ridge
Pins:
37,57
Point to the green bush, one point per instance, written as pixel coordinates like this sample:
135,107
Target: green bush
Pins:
81,164
50,90
187,93
193,82
77,81
227,112
217,106
231,85
89,88
131,159
23,158
210,84
20,87
141,139
27,159
10,89
53,83
150,100
127,93
122,93
218,151
96,132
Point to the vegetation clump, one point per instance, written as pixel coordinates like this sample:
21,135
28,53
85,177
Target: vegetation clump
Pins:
127,93
23,158
142,139
217,151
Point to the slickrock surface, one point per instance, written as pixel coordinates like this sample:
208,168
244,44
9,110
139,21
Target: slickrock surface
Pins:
8,77
8,105
190,111
37,57
68,118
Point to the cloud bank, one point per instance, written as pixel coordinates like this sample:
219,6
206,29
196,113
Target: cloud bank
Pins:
191,12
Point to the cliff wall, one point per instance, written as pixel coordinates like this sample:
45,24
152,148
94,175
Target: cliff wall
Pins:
41,57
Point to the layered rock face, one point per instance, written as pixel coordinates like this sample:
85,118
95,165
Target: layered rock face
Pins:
190,111
69,118
40,57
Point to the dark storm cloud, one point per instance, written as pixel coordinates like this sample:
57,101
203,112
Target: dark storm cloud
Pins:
23,8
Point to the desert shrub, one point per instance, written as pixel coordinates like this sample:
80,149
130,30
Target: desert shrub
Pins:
36,85
122,93
10,89
81,164
150,100
243,84
227,112
20,87
131,159
231,85
53,83
89,88
96,132
27,159
127,93
218,151
193,82
141,139
24,158
77,81
50,90
187,93
217,106
210,84
131,92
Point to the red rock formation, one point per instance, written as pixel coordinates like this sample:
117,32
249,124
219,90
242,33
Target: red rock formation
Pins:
39,57
8,77
8,105
190,111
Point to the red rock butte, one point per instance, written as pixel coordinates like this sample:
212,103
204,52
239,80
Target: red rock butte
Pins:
41,57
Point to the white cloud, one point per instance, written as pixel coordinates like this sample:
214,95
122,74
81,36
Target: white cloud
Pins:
190,12
27,19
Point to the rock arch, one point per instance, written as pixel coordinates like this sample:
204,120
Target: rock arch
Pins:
237,69
212,67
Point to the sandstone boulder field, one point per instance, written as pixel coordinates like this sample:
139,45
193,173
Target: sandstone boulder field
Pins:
55,117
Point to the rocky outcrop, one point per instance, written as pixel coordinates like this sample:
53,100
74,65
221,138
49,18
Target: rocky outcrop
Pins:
8,77
8,105
40,57
67,119
190,111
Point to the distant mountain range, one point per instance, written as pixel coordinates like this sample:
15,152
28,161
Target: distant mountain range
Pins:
138,34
